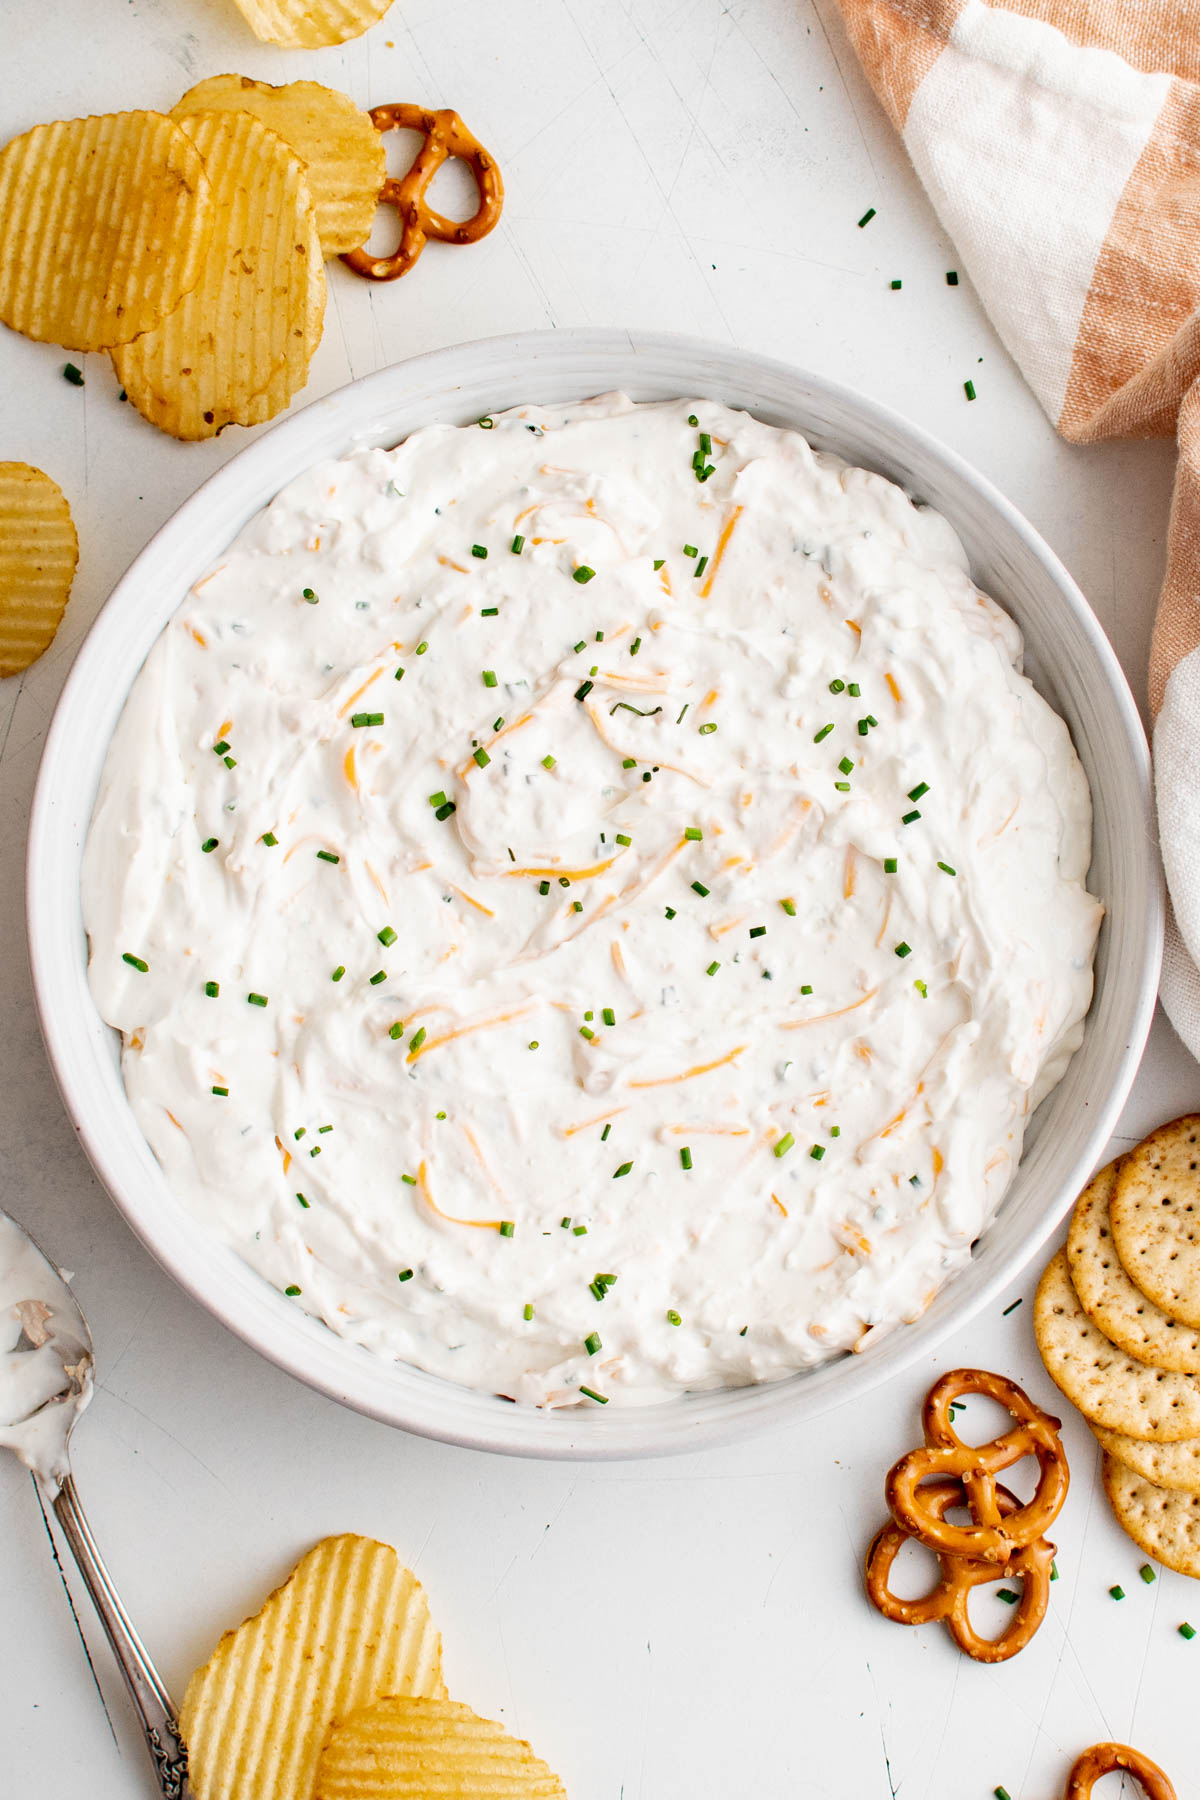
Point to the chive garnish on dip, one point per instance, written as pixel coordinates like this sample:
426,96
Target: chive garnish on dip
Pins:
136,962
327,856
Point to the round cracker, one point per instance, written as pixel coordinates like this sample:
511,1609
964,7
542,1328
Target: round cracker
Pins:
1155,1213
411,1749
1163,1523
311,24
1109,1297
1166,1465
238,347
1109,1387
38,554
339,146
104,226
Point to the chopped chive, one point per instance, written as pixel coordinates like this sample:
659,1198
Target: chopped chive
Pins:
481,757
946,869
624,839
623,1170
292,1291
507,1228
969,389
866,220
209,845
854,691
698,887
692,419
789,907
230,762
1007,1595
528,1313
543,887
1054,1571
517,545
315,1151
835,1131
479,550
846,765
221,748
843,787
1187,1631
583,690
489,612
585,1031
327,856
360,719
438,799
136,962
822,734
583,574
73,375
890,865
658,565
222,1091
785,1144
707,730
903,949
386,936
757,931
670,912
1117,1591
609,1016
693,833
302,1200
1009,1309
396,1031
712,968
921,989
836,687
592,1344
308,595
579,1231
269,839
487,423
673,1317
444,811
807,988
1001,1793
593,1395
700,567
922,787
378,976
422,647
685,1157
605,1132
1147,1574
908,817
489,678
257,999
863,728
549,762
212,989
635,646
690,550
409,1180
894,285
338,972
399,675
951,277
404,1275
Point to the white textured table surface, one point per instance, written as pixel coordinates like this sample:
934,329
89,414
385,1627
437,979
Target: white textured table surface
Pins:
691,1628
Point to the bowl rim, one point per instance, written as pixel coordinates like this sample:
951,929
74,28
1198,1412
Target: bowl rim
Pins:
274,1330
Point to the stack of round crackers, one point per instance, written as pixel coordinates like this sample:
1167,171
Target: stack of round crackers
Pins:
1117,1318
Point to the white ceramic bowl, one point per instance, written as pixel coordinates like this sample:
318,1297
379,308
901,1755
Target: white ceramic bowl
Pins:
1067,655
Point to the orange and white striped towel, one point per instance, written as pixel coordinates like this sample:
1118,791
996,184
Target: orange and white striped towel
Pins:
1059,141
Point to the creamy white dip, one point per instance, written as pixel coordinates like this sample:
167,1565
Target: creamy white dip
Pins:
45,1357
605,924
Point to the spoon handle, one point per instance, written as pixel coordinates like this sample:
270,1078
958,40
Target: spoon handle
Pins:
150,1698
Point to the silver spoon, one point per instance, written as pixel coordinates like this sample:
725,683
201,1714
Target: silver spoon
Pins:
45,1383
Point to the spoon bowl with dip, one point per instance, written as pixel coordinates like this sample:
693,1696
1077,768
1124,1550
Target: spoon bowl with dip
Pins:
45,1383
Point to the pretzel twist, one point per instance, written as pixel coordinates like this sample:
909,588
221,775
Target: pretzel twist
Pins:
996,1532
445,135
1110,1759
949,1599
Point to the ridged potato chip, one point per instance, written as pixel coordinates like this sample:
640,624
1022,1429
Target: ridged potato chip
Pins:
104,226
349,1624
310,24
38,554
238,346
405,1749
336,140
